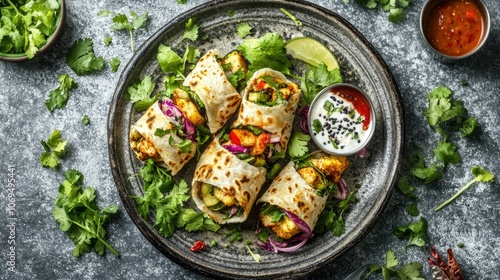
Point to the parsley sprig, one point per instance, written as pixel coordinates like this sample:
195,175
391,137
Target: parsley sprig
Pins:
77,213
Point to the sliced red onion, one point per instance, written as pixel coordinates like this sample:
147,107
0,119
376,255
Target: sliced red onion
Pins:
168,107
233,211
363,152
343,192
299,222
303,113
235,149
189,129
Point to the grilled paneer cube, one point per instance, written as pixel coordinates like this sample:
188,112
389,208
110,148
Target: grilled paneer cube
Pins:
222,196
187,107
312,177
236,61
285,228
331,166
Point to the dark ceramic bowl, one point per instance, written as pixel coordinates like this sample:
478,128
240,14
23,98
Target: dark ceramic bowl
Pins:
424,15
51,40
360,64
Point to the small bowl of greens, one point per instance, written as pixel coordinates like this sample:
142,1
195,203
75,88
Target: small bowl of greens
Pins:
29,28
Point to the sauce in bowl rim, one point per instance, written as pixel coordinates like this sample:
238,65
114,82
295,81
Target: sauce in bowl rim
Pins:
358,118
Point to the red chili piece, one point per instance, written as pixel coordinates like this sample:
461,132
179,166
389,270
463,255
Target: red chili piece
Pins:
198,246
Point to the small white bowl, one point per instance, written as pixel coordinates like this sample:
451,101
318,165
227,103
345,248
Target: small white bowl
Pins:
342,127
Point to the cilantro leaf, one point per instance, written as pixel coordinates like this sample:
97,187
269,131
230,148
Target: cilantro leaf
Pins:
59,96
243,29
416,232
81,57
78,215
482,175
446,153
412,271
297,22
107,40
267,51
406,188
169,60
86,120
165,200
191,30
55,148
122,22
315,79
115,64
298,144
468,126
140,94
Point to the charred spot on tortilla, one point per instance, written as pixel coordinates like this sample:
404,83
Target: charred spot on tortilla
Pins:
246,195
219,153
273,191
301,205
245,179
232,191
238,183
296,185
288,178
228,173
227,160
290,189
194,83
270,120
215,178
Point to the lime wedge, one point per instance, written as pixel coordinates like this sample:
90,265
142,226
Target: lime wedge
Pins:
311,51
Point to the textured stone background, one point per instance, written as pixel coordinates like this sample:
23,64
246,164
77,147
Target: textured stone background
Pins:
44,252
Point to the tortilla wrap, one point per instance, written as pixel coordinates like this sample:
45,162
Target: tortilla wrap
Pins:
277,119
168,156
210,83
292,193
224,170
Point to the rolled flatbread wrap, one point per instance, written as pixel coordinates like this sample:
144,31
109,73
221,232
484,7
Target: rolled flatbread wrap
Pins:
271,110
233,183
296,191
170,150
209,81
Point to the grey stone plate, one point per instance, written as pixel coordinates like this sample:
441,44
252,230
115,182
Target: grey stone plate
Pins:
376,175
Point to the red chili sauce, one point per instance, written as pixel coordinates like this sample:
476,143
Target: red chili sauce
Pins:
454,27
359,102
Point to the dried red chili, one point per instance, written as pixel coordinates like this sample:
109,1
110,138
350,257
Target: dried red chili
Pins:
198,246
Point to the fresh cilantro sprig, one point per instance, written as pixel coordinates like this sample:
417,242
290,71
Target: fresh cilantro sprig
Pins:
332,217
55,148
114,63
395,8
412,271
58,97
243,29
443,111
267,51
122,22
164,200
26,25
77,214
416,232
298,144
81,57
140,94
192,30
315,79
482,175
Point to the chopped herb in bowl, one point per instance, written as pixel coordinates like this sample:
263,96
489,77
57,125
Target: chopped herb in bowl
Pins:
28,27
